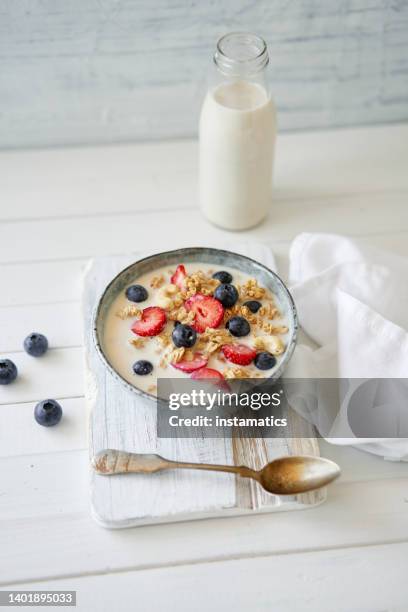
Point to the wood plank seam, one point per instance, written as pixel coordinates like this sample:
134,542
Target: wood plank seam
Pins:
205,561
326,197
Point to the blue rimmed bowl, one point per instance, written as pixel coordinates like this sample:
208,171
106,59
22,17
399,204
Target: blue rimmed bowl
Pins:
216,257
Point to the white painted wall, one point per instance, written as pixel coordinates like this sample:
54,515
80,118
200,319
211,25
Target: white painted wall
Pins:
87,71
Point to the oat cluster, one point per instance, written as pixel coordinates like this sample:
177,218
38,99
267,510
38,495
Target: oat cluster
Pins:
137,342
181,315
157,281
235,372
212,340
274,329
129,311
164,339
251,289
174,355
269,311
199,282
177,354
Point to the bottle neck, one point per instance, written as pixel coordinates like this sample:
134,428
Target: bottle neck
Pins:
241,55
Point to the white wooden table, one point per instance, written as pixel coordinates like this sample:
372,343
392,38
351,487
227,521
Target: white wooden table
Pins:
60,207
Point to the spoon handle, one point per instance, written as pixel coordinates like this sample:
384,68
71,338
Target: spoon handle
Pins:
109,462
242,470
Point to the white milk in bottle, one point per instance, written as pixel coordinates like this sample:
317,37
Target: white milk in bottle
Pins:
237,135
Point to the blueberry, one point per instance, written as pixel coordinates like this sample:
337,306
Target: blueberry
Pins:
222,276
36,344
48,413
226,294
253,305
264,361
184,335
136,293
238,326
142,367
8,371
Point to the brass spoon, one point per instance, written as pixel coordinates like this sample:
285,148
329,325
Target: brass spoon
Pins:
284,476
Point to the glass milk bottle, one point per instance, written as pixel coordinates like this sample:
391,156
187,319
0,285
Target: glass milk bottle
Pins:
237,135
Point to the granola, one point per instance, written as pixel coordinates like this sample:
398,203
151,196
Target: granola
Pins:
213,339
235,372
199,283
163,339
176,355
157,281
137,342
269,311
251,289
182,316
129,311
169,289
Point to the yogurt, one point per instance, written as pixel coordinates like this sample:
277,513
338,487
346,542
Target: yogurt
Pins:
123,348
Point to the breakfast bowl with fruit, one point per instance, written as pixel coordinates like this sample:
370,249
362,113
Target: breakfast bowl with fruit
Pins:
196,312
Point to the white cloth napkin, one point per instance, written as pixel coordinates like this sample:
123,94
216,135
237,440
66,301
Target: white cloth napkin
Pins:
352,300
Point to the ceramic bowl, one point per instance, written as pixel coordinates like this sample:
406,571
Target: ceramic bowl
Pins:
265,277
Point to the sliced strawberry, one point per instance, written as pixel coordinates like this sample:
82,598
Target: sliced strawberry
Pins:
199,361
206,373
208,311
213,376
151,323
179,276
239,353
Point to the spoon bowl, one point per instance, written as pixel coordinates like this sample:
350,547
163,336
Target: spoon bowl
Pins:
292,475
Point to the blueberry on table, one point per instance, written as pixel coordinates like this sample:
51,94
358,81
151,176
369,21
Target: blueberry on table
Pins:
238,326
48,413
36,344
226,294
142,367
253,305
222,276
8,371
264,361
184,335
136,293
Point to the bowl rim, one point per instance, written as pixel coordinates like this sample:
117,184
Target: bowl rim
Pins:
188,250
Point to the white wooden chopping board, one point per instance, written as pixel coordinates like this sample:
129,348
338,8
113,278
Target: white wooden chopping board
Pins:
119,420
